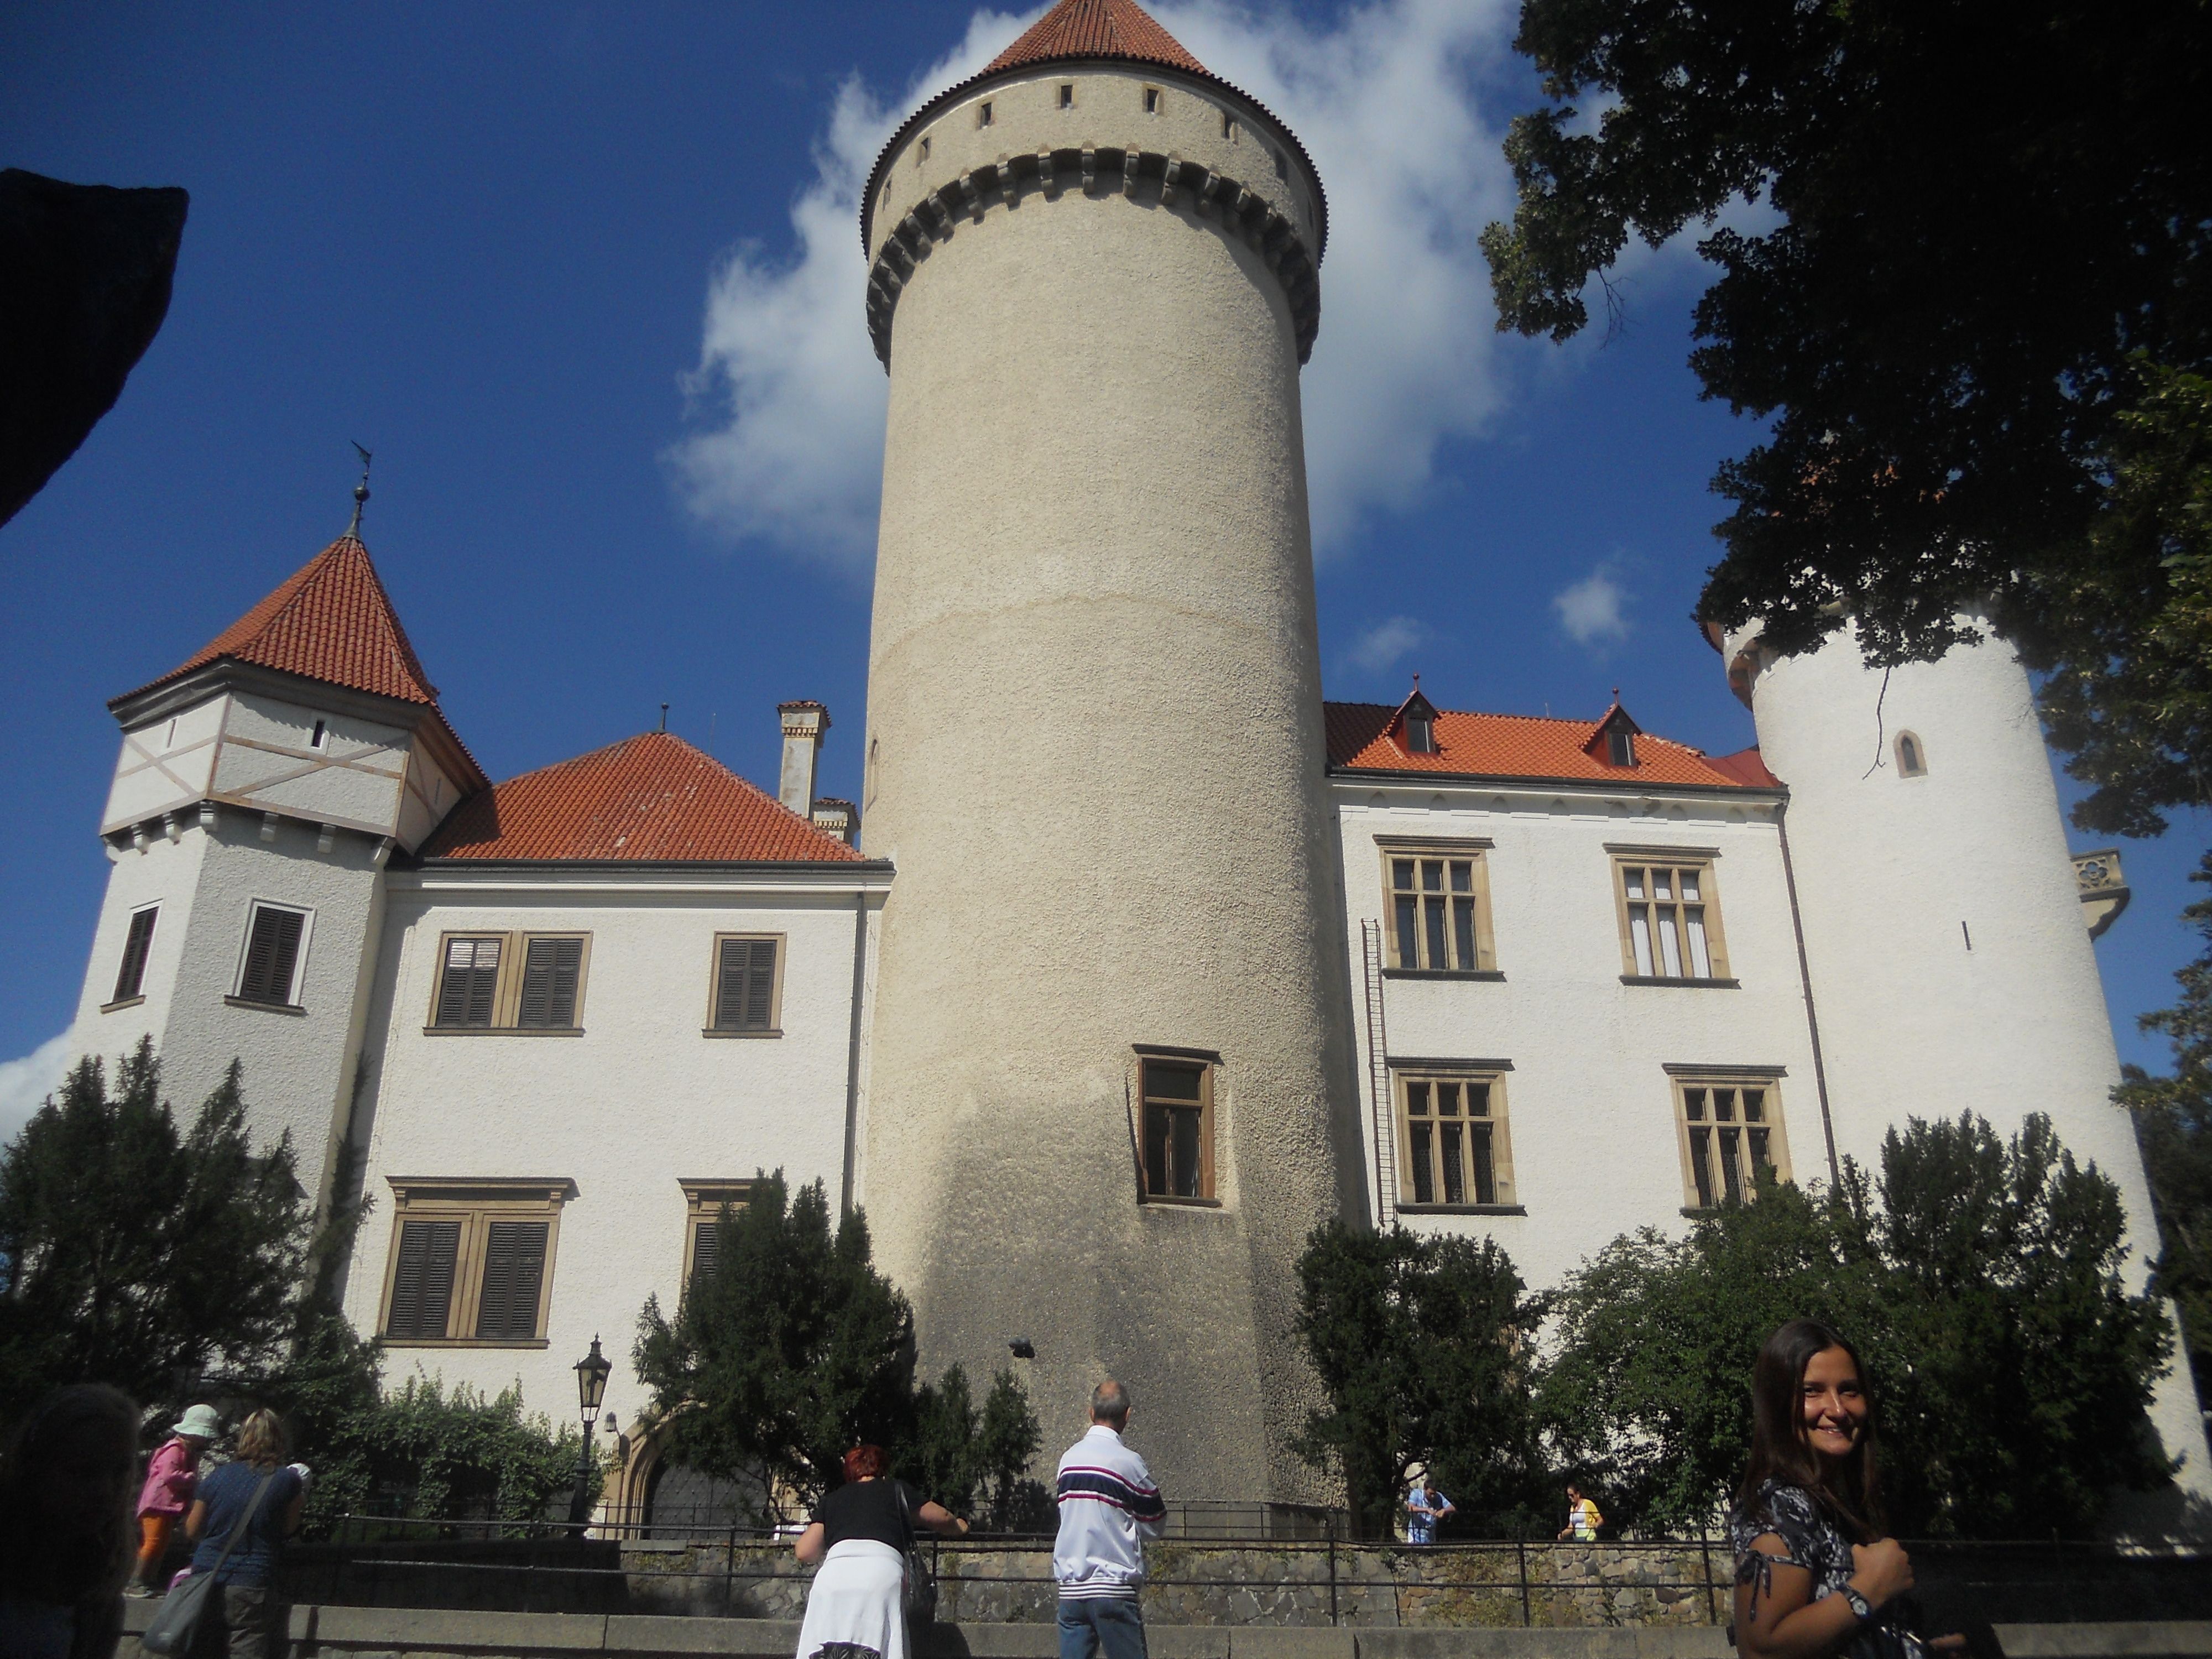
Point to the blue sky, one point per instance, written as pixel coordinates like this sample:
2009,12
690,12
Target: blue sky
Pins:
586,279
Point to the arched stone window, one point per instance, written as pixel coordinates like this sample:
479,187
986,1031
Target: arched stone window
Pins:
1912,758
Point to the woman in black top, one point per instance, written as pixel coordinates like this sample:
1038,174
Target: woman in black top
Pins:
1815,1570
859,1535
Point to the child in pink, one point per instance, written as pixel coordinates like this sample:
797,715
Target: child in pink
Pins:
172,1477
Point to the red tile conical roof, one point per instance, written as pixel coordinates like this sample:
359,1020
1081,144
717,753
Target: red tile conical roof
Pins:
332,621
651,798
1097,28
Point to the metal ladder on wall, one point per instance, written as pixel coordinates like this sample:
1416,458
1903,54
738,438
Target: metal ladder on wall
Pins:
1378,1077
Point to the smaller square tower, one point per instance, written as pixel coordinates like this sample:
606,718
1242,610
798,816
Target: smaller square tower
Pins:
261,786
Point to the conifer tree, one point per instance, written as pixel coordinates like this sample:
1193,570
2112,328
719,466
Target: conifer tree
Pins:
135,1255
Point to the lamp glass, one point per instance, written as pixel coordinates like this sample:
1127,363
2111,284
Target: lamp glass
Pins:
592,1373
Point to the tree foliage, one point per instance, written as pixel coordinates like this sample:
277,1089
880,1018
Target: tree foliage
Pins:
1421,1345
1980,1279
135,1253
795,1349
2173,1126
1979,246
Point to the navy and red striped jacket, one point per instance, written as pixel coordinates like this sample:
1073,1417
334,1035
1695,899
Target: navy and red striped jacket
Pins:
1108,1506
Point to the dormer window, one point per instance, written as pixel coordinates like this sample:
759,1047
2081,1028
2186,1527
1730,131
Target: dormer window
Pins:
1420,735
1620,746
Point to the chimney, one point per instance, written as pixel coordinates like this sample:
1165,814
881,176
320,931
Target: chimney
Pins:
837,817
804,724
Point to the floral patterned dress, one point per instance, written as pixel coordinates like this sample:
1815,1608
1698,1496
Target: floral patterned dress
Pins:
1811,1540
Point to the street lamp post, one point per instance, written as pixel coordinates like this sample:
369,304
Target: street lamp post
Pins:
592,1373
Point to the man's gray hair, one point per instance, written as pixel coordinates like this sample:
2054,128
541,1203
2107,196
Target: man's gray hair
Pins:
1109,1402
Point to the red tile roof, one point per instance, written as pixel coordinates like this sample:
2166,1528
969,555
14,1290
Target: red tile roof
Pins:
1097,28
1745,766
332,621
1361,738
649,798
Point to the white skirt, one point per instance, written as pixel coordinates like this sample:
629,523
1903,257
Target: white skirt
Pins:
857,1597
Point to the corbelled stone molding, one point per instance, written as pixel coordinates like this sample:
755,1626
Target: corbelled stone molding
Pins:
1165,179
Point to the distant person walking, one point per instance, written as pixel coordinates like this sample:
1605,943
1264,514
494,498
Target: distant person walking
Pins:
1816,1573
859,1535
172,1476
1582,1517
238,1614
65,1532
1425,1507
1108,1507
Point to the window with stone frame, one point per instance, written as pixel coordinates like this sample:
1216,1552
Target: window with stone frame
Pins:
471,1262
1730,1128
137,945
1453,1148
704,1223
502,981
1175,1129
747,992
1437,907
1670,914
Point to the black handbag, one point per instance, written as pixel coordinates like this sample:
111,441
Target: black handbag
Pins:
178,1617
920,1599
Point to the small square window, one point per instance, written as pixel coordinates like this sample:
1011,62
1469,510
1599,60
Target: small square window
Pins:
1177,1111
138,945
276,942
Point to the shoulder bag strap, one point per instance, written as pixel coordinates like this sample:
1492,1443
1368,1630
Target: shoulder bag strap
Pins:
246,1520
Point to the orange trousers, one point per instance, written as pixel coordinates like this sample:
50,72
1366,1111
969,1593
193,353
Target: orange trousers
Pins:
154,1532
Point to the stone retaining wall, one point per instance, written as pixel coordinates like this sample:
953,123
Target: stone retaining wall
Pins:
1308,1585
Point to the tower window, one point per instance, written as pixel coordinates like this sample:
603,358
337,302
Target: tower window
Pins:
1912,759
1152,100
921,154
276,940
1730,1131
983,113
1067,95
1178,1128
320,736
1620,746
130,975
1282,167
1228,127
1451,1134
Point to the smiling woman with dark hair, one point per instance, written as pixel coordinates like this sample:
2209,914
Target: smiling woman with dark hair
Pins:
1815,1572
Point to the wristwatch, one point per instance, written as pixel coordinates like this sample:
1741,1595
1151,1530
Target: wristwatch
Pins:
1857,1603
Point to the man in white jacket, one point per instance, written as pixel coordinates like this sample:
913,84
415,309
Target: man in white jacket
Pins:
1108,1507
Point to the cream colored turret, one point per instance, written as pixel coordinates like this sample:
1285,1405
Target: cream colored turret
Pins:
1094,747
1944,929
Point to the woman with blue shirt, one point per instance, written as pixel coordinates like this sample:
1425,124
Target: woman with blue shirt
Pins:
237,1621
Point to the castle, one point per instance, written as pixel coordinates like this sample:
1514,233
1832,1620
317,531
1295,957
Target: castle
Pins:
1136,960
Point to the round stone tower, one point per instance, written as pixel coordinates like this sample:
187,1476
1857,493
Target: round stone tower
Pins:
1949,957
1110,1077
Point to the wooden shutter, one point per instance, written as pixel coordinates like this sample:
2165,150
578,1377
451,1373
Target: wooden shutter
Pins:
132,973
271,953
514,1273
422,1289
705,1249
549,968
471,975
744,999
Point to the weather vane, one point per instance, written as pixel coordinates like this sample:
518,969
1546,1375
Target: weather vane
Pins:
360,492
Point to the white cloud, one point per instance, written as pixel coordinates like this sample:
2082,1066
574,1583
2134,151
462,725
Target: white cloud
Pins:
25,1083
792,399
1381,647
1595,610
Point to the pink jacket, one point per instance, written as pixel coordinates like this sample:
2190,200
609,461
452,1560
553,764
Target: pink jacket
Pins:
171,1479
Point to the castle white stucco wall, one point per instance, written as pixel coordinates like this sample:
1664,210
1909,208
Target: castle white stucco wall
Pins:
636,1103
